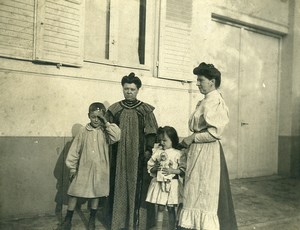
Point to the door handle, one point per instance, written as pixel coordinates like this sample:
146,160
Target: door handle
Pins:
244,123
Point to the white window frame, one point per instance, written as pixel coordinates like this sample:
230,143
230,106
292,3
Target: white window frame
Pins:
113,39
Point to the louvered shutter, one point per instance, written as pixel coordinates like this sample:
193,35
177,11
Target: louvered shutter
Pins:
175,40
59,35
16,28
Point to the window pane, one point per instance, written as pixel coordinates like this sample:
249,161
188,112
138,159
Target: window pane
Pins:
131,31
142,31
96,47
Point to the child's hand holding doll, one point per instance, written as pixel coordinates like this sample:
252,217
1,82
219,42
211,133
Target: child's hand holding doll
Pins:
170,170
167,171
156,167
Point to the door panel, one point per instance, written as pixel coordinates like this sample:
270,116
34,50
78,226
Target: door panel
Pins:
258,85
225,56
249,64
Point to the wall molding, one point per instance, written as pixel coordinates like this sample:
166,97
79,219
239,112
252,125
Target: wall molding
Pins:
226,16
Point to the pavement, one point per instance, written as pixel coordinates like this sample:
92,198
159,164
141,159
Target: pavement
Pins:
264,203
267,203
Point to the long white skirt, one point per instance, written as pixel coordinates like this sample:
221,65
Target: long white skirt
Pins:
201,189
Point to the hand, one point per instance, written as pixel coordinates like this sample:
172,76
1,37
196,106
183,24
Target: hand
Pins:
72,175
156,167
147,155
188,140
182,146
167,171
101,116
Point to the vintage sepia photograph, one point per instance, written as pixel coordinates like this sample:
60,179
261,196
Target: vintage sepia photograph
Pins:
150,114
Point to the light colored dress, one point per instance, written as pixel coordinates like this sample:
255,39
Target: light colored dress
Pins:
165,191
202,178
89,156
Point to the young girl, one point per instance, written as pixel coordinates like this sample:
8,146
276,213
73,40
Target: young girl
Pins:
89,163
165,165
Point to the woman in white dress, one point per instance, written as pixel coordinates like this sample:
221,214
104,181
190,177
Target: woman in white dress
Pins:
207,201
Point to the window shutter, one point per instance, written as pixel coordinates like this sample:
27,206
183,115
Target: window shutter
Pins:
59,34
16,28
175,39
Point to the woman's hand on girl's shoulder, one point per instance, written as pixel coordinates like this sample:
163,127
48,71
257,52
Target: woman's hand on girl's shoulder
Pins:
188,140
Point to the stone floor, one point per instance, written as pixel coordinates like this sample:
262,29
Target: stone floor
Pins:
268,203
265,203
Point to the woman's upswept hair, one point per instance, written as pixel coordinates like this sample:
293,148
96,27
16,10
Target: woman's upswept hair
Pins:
131,78
209,71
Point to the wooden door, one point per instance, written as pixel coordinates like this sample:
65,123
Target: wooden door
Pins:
258,90
249,64
225,56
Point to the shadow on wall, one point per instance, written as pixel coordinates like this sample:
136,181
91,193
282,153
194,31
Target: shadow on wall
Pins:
61,174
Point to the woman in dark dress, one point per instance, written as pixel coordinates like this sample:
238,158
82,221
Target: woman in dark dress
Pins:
129,177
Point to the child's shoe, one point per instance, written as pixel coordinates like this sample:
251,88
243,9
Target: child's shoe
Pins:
66,225
92,225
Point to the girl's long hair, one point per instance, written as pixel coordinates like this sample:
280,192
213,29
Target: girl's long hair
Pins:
170,132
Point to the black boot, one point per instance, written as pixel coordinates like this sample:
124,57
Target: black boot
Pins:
92,224
67,225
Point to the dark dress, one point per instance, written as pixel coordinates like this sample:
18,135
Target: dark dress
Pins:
129,177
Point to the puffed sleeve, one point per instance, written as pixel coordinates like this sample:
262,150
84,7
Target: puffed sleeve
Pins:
150,123
216,116
74,152
113,132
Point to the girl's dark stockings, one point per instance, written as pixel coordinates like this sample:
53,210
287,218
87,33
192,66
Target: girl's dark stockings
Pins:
92,219
69,215
172,218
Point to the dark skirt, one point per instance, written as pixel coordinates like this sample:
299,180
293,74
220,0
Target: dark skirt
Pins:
226,213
